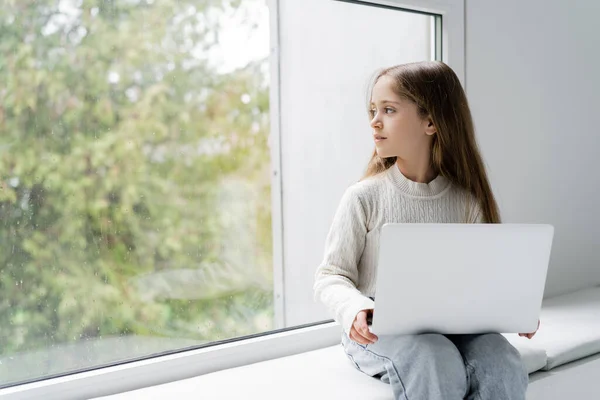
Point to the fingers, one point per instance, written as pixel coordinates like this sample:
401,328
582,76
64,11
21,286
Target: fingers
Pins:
527,335
532,334
363,328
358,338
360,330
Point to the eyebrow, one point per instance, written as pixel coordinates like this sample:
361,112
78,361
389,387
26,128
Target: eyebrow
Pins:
387,101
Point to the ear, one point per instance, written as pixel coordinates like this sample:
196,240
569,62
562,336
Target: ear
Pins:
430,128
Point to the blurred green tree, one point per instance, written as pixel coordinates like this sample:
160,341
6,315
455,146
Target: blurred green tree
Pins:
134,176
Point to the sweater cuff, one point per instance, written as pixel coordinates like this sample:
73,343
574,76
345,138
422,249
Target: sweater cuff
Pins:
356,305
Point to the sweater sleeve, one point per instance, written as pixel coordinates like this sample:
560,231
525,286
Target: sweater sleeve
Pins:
336,279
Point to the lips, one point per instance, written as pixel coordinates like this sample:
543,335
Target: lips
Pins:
379,138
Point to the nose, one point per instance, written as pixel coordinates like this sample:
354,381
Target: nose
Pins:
376,123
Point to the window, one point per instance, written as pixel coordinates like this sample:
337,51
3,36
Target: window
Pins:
169,169
135,180
325,135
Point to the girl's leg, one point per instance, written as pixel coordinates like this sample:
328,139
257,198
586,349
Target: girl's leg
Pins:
419,367
493,365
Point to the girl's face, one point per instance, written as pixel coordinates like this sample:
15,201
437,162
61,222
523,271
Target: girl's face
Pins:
398,130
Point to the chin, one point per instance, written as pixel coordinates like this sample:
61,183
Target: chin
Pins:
384,154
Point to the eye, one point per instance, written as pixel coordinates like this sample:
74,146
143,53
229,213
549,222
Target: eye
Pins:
389,110
372,112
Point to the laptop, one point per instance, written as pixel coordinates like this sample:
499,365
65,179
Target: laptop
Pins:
460,278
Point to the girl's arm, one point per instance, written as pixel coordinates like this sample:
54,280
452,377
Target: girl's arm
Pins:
337,276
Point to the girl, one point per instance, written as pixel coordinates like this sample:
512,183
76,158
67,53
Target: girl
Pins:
426,168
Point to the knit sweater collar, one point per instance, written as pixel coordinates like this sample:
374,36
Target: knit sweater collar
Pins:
417,189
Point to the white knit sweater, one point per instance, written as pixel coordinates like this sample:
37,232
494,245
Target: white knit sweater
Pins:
345,280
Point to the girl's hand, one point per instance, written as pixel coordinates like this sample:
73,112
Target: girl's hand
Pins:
360,330
530,335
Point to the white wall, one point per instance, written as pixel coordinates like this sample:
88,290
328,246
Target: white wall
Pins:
533,82
329,50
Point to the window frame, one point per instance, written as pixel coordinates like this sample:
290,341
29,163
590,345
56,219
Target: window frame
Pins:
270,345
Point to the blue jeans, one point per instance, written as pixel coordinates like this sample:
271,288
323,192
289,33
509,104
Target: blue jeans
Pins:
448,367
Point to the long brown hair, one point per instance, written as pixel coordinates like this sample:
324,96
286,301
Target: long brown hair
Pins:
436,90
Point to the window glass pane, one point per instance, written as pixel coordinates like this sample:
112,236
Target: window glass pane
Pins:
329,52
135,206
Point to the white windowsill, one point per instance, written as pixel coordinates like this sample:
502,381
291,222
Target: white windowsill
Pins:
163,369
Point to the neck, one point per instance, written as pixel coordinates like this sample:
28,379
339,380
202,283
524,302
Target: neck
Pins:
418,171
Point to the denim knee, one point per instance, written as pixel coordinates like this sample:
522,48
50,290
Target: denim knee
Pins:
434,359
499,369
